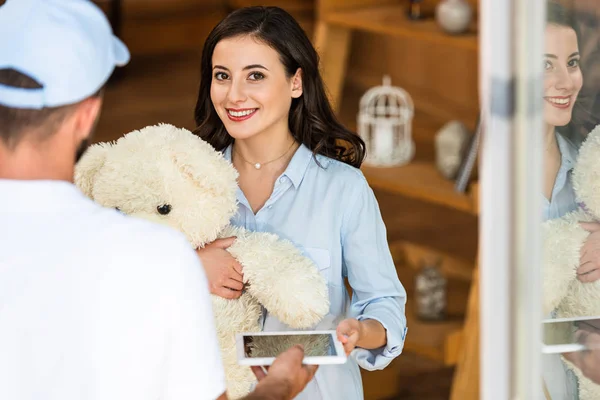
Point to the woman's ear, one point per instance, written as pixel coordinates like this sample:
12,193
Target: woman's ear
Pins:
297,84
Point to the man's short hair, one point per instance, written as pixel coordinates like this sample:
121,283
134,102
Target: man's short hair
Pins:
15,123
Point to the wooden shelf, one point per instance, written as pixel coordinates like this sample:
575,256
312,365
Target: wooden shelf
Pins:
411,255
429,339
392,20
420,180
433,340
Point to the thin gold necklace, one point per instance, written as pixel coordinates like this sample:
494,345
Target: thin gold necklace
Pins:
259,165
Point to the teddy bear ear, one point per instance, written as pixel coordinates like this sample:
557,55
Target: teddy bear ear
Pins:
89,165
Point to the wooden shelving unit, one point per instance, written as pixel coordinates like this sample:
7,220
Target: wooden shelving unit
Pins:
420,180
336,20
434,339
454,341
392,20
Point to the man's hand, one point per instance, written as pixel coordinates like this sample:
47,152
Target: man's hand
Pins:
286,378
588,361
589,265
223,272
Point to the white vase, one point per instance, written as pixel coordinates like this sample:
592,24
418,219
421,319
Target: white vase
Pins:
454,16
450,143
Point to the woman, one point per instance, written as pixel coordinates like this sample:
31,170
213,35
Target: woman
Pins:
262,102
562,82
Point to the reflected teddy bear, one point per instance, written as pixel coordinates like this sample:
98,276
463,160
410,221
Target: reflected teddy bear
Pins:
564,294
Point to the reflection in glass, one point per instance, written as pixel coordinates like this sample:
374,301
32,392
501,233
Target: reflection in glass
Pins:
568,257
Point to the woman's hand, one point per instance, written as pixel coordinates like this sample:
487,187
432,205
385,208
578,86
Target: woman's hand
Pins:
589,264
366,334
349,332
224,273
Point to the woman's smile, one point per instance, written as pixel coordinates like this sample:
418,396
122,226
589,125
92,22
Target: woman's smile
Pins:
562,102
240,114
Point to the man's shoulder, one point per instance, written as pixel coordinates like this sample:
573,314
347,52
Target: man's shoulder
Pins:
135,235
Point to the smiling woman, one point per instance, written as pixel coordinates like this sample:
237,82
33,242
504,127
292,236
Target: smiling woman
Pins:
259,95
260,75
562,82
263,104
563,79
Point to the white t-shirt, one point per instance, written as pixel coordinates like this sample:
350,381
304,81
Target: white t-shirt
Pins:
96,305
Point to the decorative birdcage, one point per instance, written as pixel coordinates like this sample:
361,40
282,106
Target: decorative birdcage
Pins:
385,124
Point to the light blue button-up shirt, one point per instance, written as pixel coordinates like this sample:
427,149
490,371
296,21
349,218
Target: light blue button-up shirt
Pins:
563,197
561,382
331,214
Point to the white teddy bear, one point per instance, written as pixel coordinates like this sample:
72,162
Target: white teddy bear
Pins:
564,294
170,176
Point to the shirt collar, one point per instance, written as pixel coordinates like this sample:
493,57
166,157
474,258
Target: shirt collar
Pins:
298,165
35,195
568,152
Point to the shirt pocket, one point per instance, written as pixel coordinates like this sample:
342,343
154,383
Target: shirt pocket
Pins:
322,260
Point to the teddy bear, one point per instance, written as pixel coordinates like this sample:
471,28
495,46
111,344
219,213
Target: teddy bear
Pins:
563,238
170,176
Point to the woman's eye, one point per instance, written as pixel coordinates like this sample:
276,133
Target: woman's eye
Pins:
547,65
220,76
256,76
573,63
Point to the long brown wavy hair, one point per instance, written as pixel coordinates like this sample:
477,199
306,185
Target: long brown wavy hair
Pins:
311,119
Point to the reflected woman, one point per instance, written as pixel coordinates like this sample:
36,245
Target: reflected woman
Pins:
562,82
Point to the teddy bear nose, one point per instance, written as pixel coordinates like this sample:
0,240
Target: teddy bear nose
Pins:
164,209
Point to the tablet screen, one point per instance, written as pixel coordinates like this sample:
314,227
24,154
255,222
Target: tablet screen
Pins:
556,333
315,345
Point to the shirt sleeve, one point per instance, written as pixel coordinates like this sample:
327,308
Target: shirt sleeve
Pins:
368,264
194,369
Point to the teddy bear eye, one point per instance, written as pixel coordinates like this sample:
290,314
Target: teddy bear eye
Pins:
164,209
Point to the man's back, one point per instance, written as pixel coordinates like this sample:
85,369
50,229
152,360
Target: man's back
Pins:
96,305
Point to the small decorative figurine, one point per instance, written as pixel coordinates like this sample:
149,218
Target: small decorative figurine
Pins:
450,145
414,9
454,16
430,292
385,124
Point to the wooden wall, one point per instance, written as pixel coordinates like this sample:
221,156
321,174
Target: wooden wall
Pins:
442,80
158,26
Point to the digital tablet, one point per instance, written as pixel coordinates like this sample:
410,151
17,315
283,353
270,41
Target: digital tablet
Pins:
261,348
559,335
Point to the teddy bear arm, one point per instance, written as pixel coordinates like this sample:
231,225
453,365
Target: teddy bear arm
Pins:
562,242
281,278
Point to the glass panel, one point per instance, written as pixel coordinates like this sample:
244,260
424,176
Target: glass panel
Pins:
571,290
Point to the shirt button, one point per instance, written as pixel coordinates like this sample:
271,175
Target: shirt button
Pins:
269,207
282,179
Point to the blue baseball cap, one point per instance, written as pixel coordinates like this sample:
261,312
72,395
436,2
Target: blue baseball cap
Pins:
65,45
